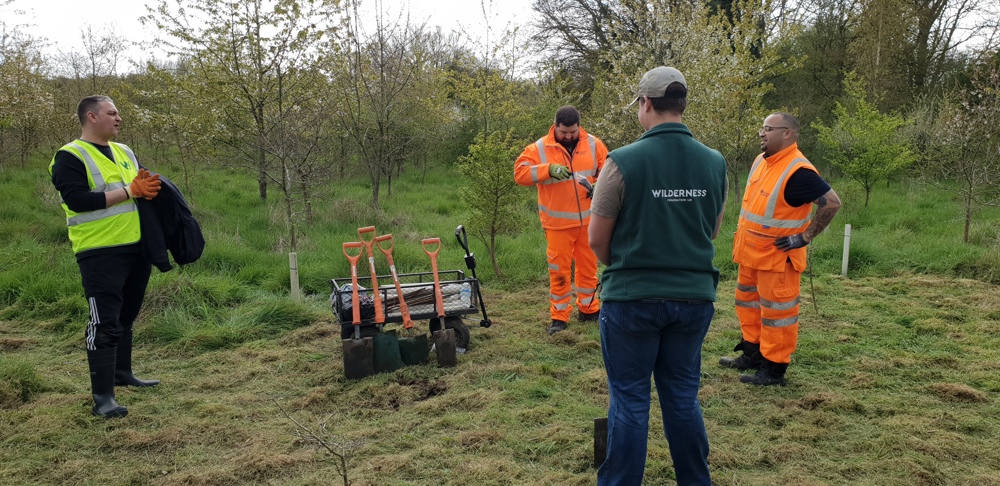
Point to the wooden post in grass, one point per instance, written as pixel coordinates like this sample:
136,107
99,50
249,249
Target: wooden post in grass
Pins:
847,250
600,440
293,266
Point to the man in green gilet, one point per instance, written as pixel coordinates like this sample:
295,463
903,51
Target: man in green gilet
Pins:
98,181
657,207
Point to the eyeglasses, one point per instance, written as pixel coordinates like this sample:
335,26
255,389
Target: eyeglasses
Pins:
767,129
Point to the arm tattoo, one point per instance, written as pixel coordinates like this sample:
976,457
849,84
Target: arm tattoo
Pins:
819,223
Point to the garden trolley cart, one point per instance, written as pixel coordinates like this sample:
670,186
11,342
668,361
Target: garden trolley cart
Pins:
459,297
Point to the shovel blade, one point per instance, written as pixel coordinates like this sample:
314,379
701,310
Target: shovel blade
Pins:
445,346
386,352
414,350
358,358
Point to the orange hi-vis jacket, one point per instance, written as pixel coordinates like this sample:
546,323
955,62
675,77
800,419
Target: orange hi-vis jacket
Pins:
561,204
765,215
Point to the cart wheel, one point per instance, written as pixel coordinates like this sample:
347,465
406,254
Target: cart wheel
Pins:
456,323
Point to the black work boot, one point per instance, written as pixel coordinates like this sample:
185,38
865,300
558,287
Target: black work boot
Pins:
750,359
102,383
769,374
123,364
557,326
588,317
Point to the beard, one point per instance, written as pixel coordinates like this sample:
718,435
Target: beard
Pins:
569,145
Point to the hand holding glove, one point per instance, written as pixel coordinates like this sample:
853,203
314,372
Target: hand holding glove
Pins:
791,242
144,185
559,172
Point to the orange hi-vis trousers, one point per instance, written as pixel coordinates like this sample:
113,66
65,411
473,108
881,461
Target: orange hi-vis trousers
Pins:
767,305
565,247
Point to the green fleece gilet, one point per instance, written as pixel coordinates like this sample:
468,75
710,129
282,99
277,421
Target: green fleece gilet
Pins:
661,247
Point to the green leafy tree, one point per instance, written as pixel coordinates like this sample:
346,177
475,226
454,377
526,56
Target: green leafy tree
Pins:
726,60
378,77
26,104
864,143
964,141
491,193
242,51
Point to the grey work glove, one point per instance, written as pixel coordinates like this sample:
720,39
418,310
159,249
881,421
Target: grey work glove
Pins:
559,172
791,242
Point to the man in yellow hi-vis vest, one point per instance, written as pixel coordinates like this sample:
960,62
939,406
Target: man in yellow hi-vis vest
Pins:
98,181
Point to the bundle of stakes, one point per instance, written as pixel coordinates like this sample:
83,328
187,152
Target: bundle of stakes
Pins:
414,297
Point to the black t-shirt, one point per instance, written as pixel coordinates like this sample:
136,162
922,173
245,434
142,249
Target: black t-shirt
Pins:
69,176
804,186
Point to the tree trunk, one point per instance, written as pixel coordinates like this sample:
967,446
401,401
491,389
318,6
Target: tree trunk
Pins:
307,202
375,184
968,217
493,256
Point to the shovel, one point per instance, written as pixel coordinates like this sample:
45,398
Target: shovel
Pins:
444,338
413,349
386,345
357,351
470,261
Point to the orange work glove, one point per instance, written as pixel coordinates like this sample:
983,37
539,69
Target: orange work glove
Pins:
144,185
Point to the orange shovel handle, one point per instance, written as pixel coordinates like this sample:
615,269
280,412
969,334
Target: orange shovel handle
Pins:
404,310
362,232
355,304
438,300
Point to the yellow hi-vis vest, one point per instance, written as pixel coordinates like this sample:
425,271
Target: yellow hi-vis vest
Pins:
114,226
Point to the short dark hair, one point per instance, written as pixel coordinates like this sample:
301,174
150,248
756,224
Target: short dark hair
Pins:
567,116
89,104
674,100
788,120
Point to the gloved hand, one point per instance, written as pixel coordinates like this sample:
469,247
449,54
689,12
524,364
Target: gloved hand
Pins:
144,185
559,172
790,242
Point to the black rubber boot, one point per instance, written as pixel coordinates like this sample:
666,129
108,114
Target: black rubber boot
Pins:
769,374
102,383
557,326
750,359
123,364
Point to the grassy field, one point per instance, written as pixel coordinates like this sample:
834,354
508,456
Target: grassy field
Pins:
895,381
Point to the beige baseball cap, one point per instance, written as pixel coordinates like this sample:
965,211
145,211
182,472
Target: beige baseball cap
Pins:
654,83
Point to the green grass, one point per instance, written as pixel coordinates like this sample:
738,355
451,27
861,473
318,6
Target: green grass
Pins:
895,380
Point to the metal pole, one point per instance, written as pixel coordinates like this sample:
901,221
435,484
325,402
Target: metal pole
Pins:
847,250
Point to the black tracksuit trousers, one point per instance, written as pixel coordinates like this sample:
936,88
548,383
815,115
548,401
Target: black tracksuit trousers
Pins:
115,285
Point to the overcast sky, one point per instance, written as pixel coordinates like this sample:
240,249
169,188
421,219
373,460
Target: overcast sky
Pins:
60,21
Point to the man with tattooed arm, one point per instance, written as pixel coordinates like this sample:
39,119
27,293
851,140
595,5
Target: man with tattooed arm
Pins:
770,247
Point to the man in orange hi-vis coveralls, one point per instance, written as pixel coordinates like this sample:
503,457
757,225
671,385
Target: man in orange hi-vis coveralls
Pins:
770,247
554,164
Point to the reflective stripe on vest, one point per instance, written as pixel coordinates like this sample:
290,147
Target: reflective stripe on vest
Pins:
564,214
591,141
768,219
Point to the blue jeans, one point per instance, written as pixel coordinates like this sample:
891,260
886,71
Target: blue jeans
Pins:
662,338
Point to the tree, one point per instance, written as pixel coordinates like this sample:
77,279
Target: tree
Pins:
239,49
491,193
865,144
26,105
726,63
376,74
964,141
167,120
